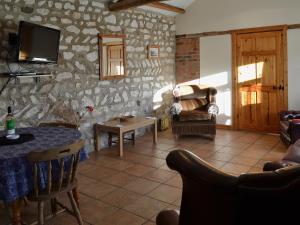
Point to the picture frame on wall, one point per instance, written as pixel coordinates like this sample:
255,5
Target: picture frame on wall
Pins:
153,51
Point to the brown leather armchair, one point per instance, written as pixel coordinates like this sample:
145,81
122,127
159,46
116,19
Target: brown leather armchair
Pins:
211,197
289,129
195,117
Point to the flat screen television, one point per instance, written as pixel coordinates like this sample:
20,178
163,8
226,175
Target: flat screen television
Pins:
37,44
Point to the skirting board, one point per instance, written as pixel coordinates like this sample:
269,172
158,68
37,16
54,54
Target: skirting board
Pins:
224,127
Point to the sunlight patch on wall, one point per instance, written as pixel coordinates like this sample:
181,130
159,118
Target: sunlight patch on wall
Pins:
215,80
223,98
158,97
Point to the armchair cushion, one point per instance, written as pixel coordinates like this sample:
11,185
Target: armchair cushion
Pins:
192,104
194,115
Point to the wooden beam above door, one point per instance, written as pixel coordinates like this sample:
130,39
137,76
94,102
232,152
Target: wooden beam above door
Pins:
163,6
127,4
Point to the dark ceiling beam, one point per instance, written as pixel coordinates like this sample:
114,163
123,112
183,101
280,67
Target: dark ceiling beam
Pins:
163,6
126,4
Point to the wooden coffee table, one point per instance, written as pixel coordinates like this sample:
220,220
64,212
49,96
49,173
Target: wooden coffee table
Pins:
120,127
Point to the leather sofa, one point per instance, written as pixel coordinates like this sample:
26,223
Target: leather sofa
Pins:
289,128
211,197
195,117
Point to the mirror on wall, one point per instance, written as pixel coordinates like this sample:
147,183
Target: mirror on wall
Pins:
112,56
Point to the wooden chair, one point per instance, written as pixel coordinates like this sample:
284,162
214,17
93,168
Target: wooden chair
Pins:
67,158
58,124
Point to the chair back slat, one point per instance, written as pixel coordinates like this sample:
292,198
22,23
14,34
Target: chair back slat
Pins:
70,170
61,174
62,177
49,177
75,167
35,179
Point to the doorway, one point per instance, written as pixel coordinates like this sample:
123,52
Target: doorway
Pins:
259,78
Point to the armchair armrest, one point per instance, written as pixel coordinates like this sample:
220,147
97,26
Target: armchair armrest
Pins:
274,165
192,167
168,217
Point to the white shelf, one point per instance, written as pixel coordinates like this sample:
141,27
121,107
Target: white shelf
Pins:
27,75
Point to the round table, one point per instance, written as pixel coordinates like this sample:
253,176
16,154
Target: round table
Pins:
15,170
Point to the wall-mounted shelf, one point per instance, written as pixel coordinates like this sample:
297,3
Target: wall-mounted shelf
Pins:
19,75
26,75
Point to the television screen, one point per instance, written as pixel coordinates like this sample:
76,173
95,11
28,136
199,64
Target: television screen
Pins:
37,43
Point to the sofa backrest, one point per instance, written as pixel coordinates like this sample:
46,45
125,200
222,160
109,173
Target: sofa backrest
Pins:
212,197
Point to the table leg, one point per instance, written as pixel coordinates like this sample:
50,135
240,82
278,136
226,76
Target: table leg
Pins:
110,139
96,138
154,131
76,196
15,208
133,137
121,143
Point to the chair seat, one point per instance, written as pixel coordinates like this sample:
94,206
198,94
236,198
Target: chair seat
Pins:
194,115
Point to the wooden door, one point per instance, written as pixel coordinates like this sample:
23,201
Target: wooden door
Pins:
260,80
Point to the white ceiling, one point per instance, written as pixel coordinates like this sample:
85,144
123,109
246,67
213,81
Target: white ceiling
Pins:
179,3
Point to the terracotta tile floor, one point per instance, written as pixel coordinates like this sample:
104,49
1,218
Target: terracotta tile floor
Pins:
132,190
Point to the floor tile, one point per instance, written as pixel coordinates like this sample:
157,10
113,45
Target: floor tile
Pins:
98,172
121,198
122,217
165,193
139,170
94,211
120,179
146,207
175,181
141,186
242,160
96,189
221,156
159,175
235,169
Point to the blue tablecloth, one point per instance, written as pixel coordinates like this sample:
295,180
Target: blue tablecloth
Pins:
15,170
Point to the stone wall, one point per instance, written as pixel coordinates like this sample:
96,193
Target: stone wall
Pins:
187,59
76,82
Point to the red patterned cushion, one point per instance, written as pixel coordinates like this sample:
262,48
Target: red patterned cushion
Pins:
194,115
295,120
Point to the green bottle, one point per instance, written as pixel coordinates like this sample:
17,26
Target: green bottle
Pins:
10,122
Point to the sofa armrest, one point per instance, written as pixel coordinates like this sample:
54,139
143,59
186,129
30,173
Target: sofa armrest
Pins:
287,112
274,165
192,167
294,131
168,217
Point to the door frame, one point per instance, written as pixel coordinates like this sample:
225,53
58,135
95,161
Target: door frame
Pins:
235,94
